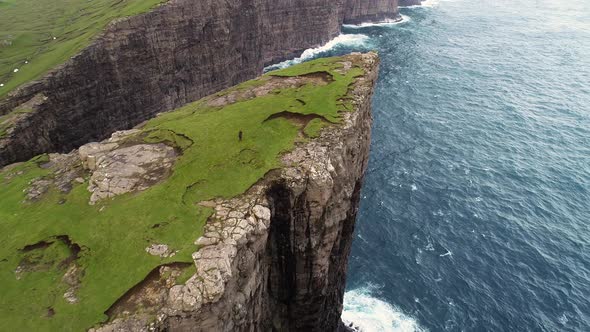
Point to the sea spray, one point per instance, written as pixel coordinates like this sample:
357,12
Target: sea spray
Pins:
426,3
359,41
370,314
387,23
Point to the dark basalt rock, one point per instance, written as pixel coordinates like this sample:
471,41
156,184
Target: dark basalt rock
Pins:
361,11
177,53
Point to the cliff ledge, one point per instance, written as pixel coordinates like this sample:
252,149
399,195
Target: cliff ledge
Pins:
232,213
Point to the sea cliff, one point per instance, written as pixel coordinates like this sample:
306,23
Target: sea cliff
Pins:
287,271
176,53
232,213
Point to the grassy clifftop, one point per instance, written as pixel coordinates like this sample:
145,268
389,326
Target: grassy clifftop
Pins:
37,35
64,262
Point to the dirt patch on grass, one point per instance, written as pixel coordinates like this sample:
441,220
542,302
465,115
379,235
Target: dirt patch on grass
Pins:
74,250
297,118
318,77
38,245
66,171
58,252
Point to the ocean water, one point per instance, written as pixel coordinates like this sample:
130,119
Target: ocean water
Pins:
475,214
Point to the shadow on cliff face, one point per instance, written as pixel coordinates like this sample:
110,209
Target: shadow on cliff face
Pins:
300,298
282,272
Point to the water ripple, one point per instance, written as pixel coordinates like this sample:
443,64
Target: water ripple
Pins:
474,214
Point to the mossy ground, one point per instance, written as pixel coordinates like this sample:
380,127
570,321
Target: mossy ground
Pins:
37,35
113,235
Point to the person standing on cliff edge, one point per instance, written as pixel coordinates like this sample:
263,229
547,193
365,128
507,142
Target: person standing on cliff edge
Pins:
240,135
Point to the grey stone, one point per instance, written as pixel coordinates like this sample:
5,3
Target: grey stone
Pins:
161,250
129,169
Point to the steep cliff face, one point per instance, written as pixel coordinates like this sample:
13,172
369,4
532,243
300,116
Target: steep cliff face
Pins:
275,258
370,11
154,62
289,27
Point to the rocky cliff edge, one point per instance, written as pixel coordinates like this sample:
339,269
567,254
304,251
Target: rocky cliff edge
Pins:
234,213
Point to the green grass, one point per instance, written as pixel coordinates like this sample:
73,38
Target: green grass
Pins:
28,28
113,235
314,127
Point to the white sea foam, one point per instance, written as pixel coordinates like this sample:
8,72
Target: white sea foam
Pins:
348,40
430,3
426,3
371,314
386,23
563,319
448,253
429,245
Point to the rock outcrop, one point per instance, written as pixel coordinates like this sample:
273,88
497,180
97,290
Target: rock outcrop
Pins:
160,60
233,213
274,258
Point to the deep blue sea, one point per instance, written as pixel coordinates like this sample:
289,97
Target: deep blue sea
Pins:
475,214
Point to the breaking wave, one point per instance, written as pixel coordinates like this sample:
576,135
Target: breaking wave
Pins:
426,3
370,314
343,40
386,23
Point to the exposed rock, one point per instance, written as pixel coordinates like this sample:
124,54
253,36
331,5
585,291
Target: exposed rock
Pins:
129,169
91,151
66,169
38,188
261,212
114,167
161,250
350,327
72,279
135,310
